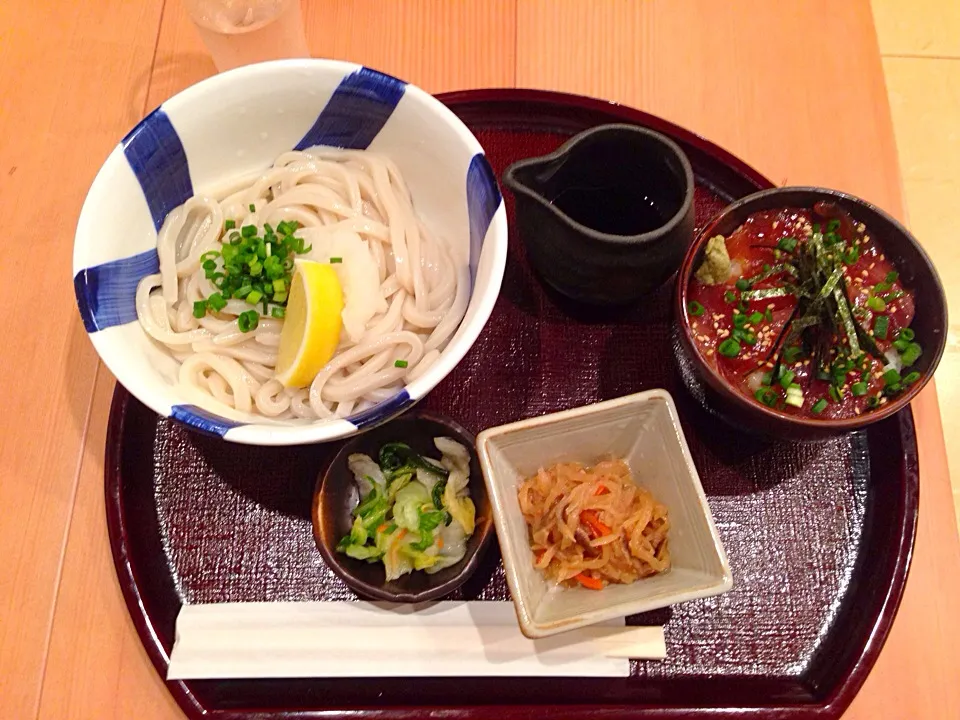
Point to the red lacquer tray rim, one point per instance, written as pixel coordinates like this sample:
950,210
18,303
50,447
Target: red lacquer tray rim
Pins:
832,705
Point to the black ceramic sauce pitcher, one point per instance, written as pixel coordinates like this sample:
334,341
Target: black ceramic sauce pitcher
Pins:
608,216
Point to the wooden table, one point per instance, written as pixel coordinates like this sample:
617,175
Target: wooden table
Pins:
795,88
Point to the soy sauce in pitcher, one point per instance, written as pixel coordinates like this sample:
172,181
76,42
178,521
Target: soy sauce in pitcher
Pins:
618,209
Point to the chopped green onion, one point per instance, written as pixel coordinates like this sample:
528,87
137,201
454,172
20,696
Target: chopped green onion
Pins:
253,208
729,296
400,363
794,396
901,344
743,284
833,225
911,354
755,317
787,244
851,256
792,354
200,308
819,406
906,334
248,231
254,297
280,297
739,319
880,326
216,302
873,401
229,225
835,393
335,260
278,312
859,389
786,379
248,320
767,396
729,348
891,377
876,304
243,291
891,296
768,314
911,378
695,308
892,276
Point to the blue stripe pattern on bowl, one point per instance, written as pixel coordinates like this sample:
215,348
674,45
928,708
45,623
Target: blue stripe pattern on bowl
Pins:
159,161
356,112
383,411
483,199
203,420
106,294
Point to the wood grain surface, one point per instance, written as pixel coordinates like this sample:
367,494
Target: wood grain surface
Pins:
800,106
59,62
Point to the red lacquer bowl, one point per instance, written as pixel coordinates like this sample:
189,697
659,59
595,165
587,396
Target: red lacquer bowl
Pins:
917,273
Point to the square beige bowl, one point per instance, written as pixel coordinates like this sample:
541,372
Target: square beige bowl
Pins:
645,431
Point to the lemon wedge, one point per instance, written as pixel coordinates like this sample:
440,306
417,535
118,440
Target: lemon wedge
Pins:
311,326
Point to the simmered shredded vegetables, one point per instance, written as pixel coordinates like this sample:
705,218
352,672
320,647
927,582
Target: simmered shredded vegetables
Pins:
594,526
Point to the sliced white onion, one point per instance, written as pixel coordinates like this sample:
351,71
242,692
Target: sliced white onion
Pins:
893,360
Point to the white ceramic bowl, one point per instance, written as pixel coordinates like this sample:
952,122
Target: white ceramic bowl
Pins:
645,431
236,123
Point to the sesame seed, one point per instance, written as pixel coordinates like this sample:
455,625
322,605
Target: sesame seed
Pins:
882,257
872,266
861,227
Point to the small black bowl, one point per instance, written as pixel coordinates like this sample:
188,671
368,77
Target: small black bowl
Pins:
608,216
916,273
336,496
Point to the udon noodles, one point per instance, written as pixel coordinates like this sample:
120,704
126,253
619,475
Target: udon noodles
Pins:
594,526
404,298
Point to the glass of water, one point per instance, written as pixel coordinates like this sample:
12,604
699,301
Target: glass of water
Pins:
241,32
